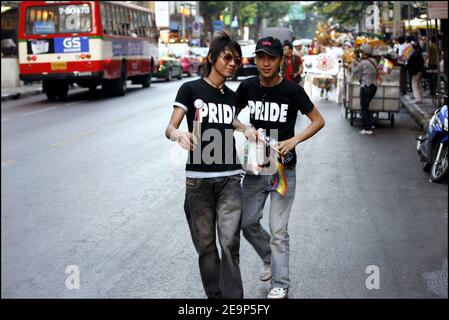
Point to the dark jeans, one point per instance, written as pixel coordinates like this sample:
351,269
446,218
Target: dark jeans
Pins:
216,204
403,79
366,95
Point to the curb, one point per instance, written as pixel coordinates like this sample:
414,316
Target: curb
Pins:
16,96
415,111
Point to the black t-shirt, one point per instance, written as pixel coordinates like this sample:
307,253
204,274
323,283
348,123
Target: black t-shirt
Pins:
274,107
216,111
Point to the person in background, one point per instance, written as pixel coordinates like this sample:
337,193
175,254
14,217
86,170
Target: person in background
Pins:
423,43
415,67
433,56
367,68
291,67
297,48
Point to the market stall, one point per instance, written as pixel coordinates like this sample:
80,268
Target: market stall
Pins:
386,101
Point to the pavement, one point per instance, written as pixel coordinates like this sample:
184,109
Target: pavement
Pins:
420,112
21,92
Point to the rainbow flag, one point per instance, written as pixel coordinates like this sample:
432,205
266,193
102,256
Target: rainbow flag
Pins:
280,180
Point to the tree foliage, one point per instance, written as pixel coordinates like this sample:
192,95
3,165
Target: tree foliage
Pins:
346,13
246,11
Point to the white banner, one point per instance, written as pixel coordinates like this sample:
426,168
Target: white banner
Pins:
320,65
162,14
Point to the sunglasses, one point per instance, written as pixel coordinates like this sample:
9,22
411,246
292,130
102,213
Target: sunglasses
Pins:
229,57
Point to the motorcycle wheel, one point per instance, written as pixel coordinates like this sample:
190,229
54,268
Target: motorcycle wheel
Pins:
426,166
439,170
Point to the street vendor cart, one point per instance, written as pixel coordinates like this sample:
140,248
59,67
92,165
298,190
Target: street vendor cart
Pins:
388,91
385,101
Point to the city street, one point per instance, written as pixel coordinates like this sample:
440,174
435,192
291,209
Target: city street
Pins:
92,182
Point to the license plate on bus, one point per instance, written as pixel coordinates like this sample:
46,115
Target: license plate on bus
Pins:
58,65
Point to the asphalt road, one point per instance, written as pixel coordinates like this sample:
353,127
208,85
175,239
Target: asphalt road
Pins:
92,182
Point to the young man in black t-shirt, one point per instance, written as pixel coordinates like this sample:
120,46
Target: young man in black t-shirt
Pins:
213,174
273,104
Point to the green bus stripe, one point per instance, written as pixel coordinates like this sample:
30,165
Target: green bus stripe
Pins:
90,37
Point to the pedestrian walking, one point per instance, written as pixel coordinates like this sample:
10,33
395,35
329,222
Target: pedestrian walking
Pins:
213,182
273,103
415,66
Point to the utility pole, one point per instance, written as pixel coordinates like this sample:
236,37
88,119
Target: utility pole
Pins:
396,18
183,17
408,15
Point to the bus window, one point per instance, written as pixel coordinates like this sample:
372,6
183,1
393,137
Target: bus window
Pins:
109,18
104,18
147,26
114,19
142,24
124,29
58,19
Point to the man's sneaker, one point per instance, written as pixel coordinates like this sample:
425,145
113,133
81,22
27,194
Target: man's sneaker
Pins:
278,293
366,131
265,275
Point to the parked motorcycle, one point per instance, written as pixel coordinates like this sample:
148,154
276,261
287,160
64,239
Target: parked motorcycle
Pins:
433,147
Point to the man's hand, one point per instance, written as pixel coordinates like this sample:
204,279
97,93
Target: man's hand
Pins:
251,133
287,145
186,140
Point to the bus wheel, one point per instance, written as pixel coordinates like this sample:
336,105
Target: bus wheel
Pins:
63,91
120,89
55,90
146,81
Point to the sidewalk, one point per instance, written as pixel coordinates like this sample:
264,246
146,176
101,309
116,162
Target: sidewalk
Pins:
421,112
21,92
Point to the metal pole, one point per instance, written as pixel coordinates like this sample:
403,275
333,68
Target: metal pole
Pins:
408,16
397,19
438,61
183,35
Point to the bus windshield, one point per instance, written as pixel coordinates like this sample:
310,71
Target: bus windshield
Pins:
58,19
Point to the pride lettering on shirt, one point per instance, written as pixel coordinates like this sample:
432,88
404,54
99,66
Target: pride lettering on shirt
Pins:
268,111
217,113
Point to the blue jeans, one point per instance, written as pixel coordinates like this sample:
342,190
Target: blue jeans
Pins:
274,249
216,204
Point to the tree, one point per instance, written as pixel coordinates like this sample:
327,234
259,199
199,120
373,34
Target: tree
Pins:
272,11
211,10
246,12
346,13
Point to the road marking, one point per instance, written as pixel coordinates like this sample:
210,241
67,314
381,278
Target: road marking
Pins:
39,111
7,163
71,139
72,103
121,121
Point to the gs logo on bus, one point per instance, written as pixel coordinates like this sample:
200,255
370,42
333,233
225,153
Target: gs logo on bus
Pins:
71,45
